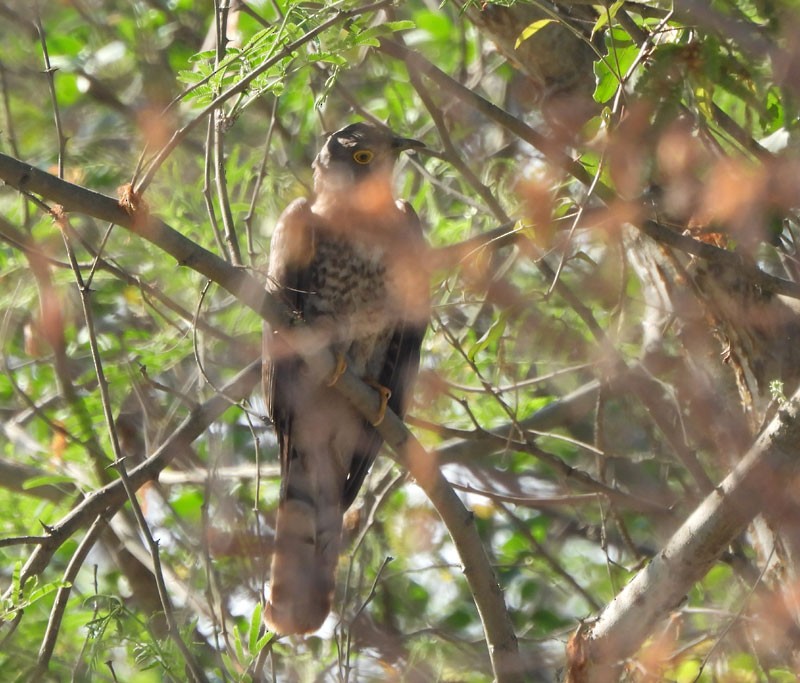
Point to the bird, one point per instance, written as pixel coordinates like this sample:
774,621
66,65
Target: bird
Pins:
348,261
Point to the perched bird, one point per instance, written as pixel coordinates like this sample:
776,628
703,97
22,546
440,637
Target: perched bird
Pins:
349,262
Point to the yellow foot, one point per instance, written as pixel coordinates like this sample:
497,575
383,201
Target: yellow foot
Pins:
385,394
338,371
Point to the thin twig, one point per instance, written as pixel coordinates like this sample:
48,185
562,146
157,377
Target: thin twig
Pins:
554,565
736,617
534,502
21,540
367,600
208,163
451,153
173,630
257,182
218,121
49,71
105,399
242,84
62,596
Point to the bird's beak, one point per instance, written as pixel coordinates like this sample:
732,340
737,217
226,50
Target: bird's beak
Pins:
399,144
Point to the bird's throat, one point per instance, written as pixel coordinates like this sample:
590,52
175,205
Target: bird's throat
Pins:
370,197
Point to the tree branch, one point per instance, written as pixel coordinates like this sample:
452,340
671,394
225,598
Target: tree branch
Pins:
77,199
424,467
597,652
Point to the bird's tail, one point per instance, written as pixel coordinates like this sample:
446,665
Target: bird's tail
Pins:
307,538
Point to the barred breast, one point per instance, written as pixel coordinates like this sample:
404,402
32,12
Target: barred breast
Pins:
348,283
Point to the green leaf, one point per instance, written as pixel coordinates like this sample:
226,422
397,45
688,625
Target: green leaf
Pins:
188,506
263,640
253,631
367,41
45,480
532,29
16,575
237,645
612,69
45,590
369,34
403,25
774,112
329,57
606,16
490,337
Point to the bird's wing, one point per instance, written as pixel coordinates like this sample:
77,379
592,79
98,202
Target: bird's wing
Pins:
291,253
309,517
401,362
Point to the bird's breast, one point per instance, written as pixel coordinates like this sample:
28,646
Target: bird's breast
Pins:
348,282
349,286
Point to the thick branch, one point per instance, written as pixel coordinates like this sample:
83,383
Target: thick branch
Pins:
424,467
598,651
77,199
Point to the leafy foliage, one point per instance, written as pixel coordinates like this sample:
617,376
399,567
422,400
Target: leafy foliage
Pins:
572,392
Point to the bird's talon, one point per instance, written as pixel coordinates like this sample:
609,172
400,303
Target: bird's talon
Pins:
385,394
338,371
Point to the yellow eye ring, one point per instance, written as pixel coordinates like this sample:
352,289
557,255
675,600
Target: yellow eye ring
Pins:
363,156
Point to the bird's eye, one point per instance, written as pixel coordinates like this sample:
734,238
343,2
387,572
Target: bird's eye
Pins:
363,156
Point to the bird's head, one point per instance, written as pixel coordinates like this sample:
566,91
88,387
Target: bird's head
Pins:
359,159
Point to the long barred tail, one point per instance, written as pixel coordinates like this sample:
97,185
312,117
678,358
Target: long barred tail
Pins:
307,539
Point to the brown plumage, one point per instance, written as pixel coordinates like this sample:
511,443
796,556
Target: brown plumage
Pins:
349,262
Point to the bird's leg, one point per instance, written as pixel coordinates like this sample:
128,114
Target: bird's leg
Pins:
338,371
385,394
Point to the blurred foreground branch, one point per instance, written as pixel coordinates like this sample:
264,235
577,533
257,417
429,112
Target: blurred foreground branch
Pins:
597,652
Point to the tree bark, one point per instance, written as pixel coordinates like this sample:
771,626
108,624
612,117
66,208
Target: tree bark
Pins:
597,652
